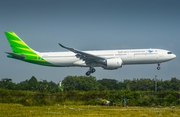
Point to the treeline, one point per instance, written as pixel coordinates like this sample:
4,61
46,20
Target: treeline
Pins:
85,90
115,97
90,83
30,85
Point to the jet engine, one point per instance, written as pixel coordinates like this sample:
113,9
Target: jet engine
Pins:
113,63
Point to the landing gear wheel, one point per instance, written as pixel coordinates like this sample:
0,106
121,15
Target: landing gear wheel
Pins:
93,70
158,68
88,73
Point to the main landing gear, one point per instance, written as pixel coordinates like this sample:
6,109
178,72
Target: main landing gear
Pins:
91,70
158,68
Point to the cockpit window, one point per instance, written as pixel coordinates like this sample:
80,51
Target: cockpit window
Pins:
169,52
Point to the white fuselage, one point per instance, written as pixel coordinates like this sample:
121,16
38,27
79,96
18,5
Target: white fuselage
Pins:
129,57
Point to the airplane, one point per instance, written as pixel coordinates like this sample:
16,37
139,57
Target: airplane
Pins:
107,59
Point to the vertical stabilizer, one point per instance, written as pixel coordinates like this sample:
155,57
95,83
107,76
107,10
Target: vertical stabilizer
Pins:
18,46
22,51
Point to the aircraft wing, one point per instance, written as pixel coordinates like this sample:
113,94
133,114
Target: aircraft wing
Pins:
88,58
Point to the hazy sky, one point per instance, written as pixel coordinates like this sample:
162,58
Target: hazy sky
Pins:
89,25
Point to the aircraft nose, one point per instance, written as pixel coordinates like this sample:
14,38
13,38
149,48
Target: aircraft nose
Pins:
174,56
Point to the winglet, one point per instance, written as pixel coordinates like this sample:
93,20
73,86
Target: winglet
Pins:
65,47
62,45
68,48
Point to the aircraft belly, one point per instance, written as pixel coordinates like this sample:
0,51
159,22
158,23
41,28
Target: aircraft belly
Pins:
62,61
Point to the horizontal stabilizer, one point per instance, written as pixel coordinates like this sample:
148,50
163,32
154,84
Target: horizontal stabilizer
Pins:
13,55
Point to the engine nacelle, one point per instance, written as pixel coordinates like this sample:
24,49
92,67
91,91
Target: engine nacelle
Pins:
113,63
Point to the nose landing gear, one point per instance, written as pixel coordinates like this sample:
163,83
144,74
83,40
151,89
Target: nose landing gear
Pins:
158,68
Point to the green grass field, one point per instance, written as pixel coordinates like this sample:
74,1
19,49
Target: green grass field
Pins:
17,110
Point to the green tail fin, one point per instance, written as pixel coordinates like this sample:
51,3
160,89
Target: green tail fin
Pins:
17,45
22,51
